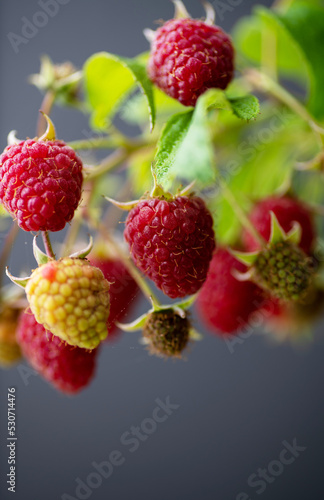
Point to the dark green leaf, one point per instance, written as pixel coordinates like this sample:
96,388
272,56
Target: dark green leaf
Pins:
172,135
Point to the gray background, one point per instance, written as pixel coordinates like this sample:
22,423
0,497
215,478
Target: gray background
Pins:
235,409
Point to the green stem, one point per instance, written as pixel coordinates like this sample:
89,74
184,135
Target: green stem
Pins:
9,241
48,245
245,221
266,84
107,165
46,107
109,142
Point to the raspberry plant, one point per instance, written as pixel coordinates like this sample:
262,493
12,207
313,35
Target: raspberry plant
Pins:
228,190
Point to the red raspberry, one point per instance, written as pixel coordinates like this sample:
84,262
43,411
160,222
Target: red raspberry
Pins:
224,302
68,368
172,242
188,57
123,289
40,183
287,210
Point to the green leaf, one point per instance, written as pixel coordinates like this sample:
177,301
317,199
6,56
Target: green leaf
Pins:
298,34
305,24
172,135
108,81
246,107
249,37
134,111
185,149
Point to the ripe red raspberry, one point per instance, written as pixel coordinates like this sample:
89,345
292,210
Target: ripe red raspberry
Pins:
287,210
172,242
68,368
123,289
188,57
225,303
40,183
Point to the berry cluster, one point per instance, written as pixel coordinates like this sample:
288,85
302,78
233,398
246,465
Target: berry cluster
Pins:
75,302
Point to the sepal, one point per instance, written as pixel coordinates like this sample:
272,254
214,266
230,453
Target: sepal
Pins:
247,258
22,282
277,234
50,133
82,254
180,11
41,257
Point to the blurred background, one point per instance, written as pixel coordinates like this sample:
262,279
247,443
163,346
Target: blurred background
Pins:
236,408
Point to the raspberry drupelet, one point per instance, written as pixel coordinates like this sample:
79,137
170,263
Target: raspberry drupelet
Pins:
172,242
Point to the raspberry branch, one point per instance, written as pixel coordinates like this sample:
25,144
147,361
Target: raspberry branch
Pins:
48,245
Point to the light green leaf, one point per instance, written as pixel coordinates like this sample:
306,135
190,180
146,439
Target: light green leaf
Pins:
246,107
109,80
305,24
298,34
249,37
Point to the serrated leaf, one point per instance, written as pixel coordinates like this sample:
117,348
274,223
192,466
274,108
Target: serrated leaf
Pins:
246,107
109,80
185,149
172,135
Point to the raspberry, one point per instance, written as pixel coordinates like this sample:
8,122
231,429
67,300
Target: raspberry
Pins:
172,242
167,333
123,289
188,57
291,320
284,270
70,298
225,303
40,183
287,210
68,368
9,349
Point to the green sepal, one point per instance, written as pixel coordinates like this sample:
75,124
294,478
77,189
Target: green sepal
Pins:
295,234
194,335
137,324
50,133
22,282
41,257
180,11
277,234
179,308
123,206
82,254
247,258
